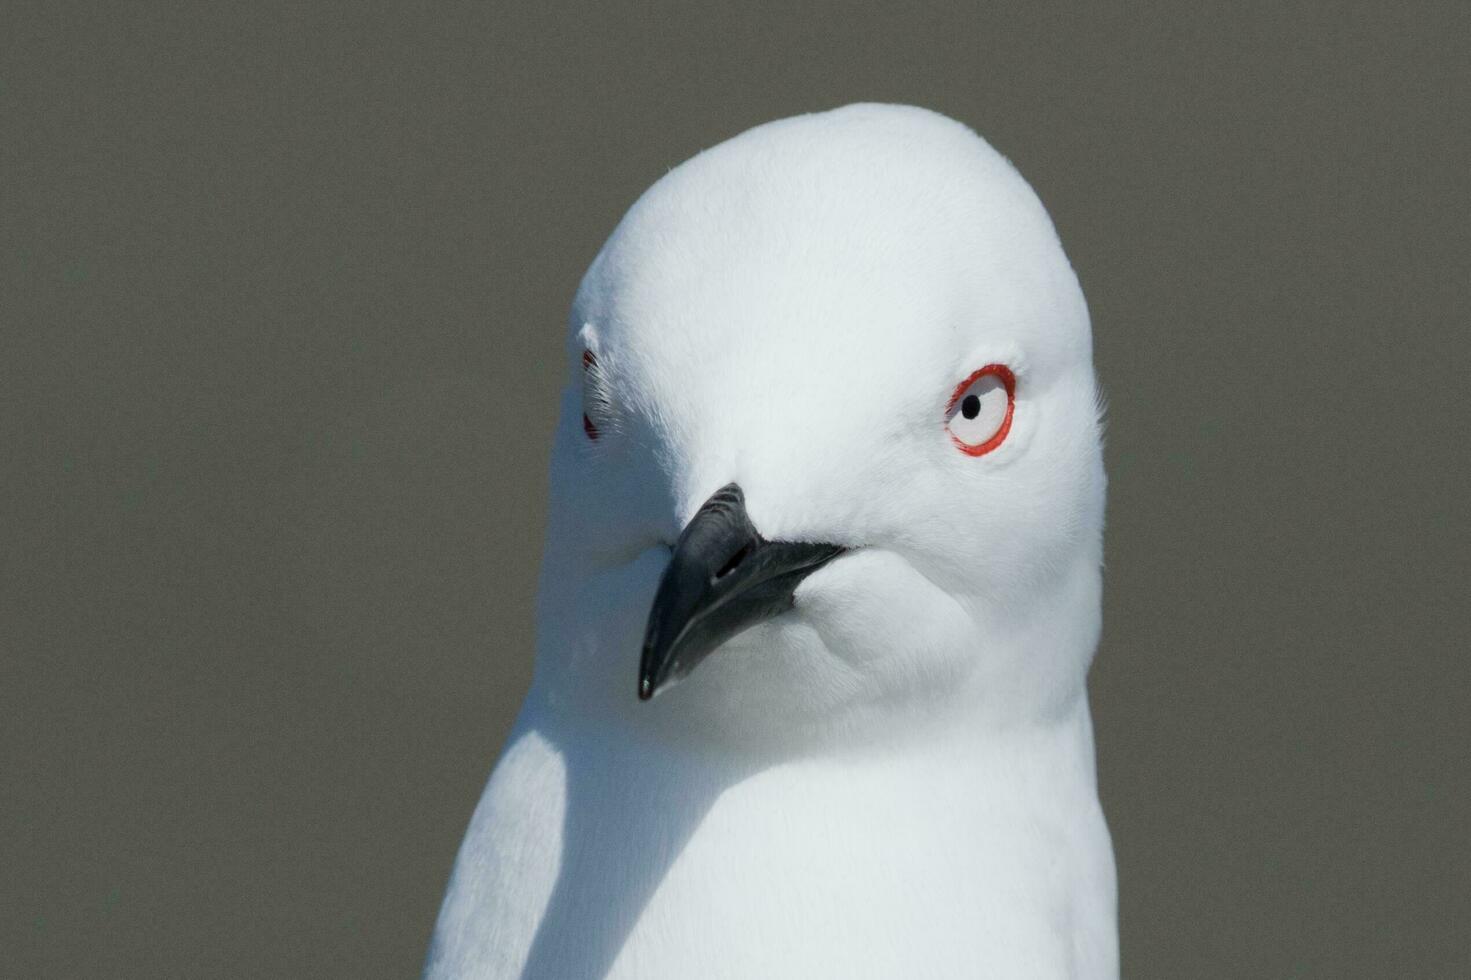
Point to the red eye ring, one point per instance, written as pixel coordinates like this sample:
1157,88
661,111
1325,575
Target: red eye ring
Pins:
589,362
1008,381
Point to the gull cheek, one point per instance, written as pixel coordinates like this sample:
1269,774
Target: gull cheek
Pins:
611,607
872,608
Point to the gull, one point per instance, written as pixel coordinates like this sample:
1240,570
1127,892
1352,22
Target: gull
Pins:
820,590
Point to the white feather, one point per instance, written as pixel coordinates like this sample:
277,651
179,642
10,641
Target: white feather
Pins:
896,778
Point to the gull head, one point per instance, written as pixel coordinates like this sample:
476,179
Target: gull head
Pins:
830,444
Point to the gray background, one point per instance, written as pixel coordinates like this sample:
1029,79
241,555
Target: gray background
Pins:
283,294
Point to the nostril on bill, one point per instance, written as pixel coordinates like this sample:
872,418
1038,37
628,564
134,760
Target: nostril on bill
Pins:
733,561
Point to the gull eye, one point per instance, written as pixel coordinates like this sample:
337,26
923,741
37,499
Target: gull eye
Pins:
594,401
979,414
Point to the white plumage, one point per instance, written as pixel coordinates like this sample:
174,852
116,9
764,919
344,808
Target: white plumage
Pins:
895,777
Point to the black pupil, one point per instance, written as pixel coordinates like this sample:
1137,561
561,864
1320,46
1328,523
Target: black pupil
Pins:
971,407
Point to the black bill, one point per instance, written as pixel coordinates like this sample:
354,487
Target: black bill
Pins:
724,578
